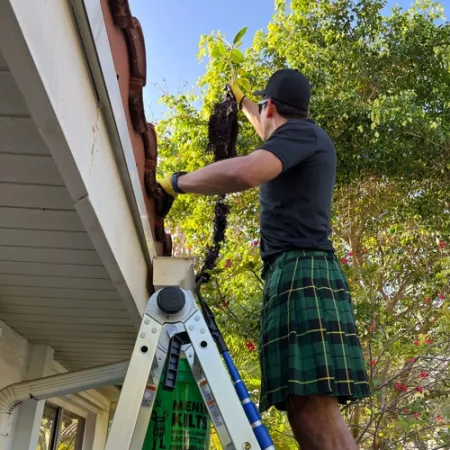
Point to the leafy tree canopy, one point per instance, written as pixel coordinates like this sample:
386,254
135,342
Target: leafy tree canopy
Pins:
381,89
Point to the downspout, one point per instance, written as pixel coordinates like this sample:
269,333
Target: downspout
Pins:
60,385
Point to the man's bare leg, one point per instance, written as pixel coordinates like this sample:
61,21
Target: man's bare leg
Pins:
318,424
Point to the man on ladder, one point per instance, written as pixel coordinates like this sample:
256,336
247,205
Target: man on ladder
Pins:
310,354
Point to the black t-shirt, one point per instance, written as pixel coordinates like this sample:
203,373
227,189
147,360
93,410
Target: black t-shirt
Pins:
296,205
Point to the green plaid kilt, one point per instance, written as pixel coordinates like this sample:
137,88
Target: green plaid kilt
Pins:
308,342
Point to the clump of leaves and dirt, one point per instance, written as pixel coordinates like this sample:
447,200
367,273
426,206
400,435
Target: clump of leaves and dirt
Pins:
222,136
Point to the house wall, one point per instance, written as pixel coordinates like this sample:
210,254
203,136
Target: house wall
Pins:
14,351
92,405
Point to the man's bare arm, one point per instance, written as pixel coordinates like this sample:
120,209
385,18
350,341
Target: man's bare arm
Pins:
232,175
250,109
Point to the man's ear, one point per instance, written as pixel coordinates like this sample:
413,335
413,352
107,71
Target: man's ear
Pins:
270,110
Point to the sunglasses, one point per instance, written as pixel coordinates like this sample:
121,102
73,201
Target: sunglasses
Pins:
261,105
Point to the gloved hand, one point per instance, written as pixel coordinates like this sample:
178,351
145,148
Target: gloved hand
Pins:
238,95
168,195
167,186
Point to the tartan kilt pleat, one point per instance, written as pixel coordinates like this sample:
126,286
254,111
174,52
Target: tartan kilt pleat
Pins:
308,342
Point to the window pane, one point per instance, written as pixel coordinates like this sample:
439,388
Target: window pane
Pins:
71,432
47,433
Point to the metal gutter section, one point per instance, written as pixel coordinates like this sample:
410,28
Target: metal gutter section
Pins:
93,34
61,384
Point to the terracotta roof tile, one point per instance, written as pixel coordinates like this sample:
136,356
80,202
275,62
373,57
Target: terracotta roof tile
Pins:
121,12
128,49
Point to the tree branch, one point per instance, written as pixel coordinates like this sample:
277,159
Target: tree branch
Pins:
398,295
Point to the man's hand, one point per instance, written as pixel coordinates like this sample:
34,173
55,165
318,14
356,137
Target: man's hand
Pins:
238,95
167,186
167,197
250,108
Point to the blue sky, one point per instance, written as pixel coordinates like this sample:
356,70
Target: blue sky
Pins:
172,31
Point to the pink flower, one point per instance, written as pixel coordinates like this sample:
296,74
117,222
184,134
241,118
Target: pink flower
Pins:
411,360
416,342
442,244
255,243
423,375
439,418
441,296
350,254
400,387
419,388
428,341
373,363
344,260
250,346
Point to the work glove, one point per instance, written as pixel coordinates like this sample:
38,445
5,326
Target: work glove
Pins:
238,95
167,196
166,185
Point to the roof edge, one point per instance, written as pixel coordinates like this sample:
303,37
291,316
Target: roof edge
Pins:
134,38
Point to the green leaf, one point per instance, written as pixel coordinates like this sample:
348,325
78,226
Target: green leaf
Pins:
222,48
215,52
237,56
218,50
214,271
239,35
406,423
245,84
376,382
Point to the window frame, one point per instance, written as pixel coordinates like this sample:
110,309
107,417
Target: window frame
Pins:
56,429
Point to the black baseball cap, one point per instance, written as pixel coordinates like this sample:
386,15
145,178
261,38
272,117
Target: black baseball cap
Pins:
288,86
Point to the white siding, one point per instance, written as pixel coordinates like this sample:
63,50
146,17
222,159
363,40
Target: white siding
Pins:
13,366
19,135
14,355
54,288
41,46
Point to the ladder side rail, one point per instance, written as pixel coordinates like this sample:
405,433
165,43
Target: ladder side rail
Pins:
128,408
222,389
